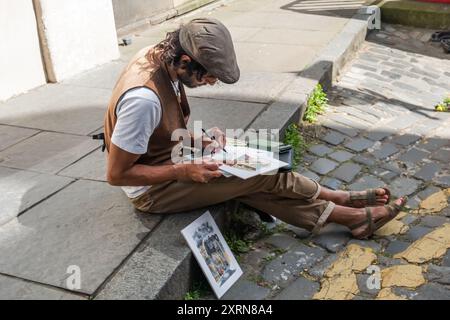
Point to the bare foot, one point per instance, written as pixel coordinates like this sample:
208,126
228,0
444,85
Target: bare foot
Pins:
343,198
380,215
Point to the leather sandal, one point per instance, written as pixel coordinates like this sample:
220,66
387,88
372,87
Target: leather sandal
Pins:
393,210
370,197
446,45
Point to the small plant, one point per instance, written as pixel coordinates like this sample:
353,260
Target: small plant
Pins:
294,138
266,231
280,227
444,106
198,290
270,257
317,102
236,244
192,295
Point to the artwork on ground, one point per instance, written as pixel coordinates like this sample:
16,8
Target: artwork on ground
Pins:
212,253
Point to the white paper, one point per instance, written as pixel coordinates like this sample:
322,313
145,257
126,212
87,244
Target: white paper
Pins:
236,153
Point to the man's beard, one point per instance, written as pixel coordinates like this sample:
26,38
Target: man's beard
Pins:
188,81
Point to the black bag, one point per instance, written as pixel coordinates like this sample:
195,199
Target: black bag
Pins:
100,136
286,154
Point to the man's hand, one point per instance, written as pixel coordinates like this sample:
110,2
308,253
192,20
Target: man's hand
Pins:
202,173
218,142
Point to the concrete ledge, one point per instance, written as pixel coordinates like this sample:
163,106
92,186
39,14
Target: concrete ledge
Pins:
281,113
291,104
163,266
416,14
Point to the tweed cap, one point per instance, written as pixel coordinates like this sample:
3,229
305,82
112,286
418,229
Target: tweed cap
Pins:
209,43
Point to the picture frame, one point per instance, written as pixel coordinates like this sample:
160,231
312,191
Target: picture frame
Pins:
212,253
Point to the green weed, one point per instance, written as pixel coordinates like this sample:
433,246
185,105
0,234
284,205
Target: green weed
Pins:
295,139
317,102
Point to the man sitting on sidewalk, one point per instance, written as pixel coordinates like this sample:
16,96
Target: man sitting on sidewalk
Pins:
149,103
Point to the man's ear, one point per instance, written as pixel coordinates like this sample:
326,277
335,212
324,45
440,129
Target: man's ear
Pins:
184,61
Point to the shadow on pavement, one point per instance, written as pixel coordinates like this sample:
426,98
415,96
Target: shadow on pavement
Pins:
341,8
409,39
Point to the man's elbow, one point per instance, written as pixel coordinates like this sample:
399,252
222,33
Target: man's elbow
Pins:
113,178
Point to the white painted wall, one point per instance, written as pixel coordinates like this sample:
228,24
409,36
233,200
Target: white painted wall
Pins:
20,58
177,3
79,35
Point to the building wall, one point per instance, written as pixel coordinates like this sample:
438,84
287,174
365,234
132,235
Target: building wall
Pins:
127,12
51,40
131,12
77,35
20,57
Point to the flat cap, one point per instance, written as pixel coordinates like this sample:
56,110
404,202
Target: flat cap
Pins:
209,43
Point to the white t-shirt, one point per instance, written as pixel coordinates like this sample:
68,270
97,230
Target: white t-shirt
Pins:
138,115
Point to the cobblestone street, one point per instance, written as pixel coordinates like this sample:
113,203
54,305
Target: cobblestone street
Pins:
67,229
380,129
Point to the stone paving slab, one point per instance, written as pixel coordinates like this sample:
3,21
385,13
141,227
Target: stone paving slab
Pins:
301,289
318,271
331,183
430,291
252,87
92,167
366,182
47,152
138,42
103,77
276,16
362,285
273,57
280,114
346,172
19,190
341,156
242,34
159,268
332,237
403,186
11,135
58,107
283,269
56,234
320,150
292,37
282,241
17,289
246,290
323,166
223,113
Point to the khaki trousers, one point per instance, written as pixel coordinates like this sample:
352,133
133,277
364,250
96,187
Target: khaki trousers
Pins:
289,197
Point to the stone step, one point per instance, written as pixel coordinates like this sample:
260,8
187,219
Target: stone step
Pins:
163,266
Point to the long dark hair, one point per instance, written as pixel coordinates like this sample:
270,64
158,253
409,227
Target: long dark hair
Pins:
172,52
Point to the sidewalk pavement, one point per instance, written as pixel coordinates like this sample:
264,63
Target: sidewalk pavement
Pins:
59,215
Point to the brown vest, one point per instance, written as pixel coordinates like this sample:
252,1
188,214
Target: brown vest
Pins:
146,70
